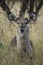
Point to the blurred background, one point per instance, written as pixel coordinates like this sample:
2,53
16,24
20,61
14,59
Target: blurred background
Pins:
8,32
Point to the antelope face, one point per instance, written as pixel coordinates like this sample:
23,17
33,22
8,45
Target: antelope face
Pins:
22,27
22,23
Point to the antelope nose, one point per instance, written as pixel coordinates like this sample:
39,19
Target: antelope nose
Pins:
22,30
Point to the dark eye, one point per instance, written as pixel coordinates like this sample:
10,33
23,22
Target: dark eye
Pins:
26,21
17,20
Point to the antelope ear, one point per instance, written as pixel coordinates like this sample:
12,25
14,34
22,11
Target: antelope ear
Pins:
11,16
33,16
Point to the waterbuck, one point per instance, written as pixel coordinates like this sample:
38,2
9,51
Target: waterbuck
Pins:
22,41
23,46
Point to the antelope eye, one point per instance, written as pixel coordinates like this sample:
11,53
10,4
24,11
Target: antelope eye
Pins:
17,21
26,21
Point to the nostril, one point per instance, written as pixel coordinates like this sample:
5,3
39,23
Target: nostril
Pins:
22,30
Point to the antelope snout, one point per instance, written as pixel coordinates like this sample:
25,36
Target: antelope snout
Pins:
22,29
